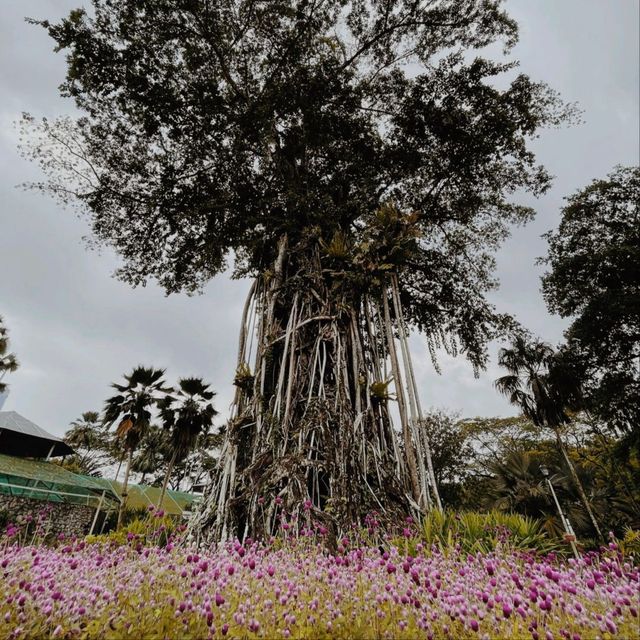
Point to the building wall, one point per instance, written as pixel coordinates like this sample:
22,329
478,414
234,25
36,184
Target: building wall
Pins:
57,517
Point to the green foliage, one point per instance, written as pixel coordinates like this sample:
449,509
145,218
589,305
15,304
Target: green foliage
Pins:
503,471
244,378
89,438
379,390
451,452
144,529
538,382
630,543
304,119
152,452
473,531
8,361
132,406
594,258
186,414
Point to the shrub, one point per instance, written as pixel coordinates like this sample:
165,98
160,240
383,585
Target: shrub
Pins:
473,532
153,529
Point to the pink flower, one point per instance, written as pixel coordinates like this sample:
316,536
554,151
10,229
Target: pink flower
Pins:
254,625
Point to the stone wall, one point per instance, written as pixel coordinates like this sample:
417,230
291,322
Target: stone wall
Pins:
69,519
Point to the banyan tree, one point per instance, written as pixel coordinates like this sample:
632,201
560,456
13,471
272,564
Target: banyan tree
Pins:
360,162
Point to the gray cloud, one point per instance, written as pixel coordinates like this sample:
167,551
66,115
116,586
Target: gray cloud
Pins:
75,329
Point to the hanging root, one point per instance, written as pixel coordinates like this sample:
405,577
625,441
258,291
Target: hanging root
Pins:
311,440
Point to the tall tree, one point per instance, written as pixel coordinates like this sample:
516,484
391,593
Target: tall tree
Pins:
541,386
187,414
594,261
132,409
8,361
356,163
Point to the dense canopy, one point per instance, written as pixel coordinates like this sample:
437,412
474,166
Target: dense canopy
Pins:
210,129
594,258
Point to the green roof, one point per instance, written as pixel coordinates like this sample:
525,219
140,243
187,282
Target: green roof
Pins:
48,481
44,480
140,496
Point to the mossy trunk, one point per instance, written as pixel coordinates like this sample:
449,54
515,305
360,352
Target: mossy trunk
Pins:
311,438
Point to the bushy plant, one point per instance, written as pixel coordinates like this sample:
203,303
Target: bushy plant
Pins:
154,528
630,543
474,531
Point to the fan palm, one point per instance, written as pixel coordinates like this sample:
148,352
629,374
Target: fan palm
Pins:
517,485
8,361
88,437
186,415
540,384
131,410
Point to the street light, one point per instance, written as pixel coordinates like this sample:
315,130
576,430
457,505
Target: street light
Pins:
571,536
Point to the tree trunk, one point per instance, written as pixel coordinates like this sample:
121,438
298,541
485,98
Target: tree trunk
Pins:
125,484
577,483
118,469
167,475
311,438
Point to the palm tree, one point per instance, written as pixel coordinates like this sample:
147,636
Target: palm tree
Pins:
517,485
186,415
8,361
151,451
544,389
87,435
131,408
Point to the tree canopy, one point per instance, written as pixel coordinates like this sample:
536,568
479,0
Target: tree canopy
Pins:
594,261
209,130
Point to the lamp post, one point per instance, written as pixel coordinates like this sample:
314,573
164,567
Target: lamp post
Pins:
571,536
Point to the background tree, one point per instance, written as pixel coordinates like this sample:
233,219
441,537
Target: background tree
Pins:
186,415
356,163
89,439
453,454
542,387
8,361
197,468
132,409
517,485
151,453
594,261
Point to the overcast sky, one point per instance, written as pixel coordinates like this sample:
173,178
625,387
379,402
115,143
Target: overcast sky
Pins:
75,329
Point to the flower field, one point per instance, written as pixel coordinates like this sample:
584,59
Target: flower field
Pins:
298,590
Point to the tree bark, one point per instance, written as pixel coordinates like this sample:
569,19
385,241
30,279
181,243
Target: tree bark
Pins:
125,484
167,475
